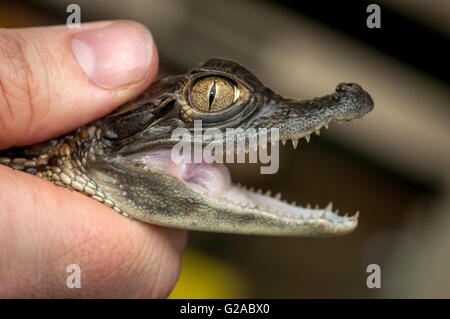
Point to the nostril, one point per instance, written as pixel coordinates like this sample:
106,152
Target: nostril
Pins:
341,87
348,87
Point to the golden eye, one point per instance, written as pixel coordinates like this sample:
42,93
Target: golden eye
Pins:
213,94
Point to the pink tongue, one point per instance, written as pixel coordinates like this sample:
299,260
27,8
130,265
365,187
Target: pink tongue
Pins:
213,178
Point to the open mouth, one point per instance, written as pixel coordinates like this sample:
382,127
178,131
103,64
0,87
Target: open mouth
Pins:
205,197
213,181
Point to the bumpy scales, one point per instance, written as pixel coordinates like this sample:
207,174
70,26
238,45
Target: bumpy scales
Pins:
124,159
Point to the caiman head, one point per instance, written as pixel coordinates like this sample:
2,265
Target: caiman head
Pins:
136,169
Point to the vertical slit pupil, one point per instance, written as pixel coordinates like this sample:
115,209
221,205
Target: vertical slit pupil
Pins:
212,94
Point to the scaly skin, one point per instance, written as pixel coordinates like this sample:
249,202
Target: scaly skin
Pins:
121,160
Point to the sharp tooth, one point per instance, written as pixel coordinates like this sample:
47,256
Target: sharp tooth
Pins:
355,217
252,189
316,207
283,141
307,137
294,203
329,207
278,196
238,185
259,191
317,132
308,206
294,143
268,193
326,126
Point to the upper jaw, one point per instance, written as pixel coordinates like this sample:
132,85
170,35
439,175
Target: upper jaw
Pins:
294,118
297,119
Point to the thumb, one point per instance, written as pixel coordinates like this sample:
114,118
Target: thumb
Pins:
55,79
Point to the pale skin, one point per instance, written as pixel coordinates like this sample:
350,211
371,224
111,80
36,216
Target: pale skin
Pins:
49,85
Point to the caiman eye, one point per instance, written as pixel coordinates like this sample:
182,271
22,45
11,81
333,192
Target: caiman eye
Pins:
213,94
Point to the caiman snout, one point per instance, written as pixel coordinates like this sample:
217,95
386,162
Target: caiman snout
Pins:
354,100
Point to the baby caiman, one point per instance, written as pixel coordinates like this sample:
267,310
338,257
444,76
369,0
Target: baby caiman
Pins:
124,159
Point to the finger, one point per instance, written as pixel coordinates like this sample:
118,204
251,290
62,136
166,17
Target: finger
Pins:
46,228
55,79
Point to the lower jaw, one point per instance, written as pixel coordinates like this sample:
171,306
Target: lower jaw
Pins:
214,181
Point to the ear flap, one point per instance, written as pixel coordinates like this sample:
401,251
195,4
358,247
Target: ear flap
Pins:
126,124
136,115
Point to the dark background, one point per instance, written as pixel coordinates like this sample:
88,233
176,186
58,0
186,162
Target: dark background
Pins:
393,165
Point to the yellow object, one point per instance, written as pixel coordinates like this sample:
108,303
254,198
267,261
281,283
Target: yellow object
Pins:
206,276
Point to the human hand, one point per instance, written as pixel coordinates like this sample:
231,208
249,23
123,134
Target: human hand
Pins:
53,80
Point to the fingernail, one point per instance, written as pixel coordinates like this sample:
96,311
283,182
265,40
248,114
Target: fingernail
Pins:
115,56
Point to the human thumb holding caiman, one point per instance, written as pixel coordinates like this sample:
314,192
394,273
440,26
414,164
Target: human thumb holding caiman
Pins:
53,80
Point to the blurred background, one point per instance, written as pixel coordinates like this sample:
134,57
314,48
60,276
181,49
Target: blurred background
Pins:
393,166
